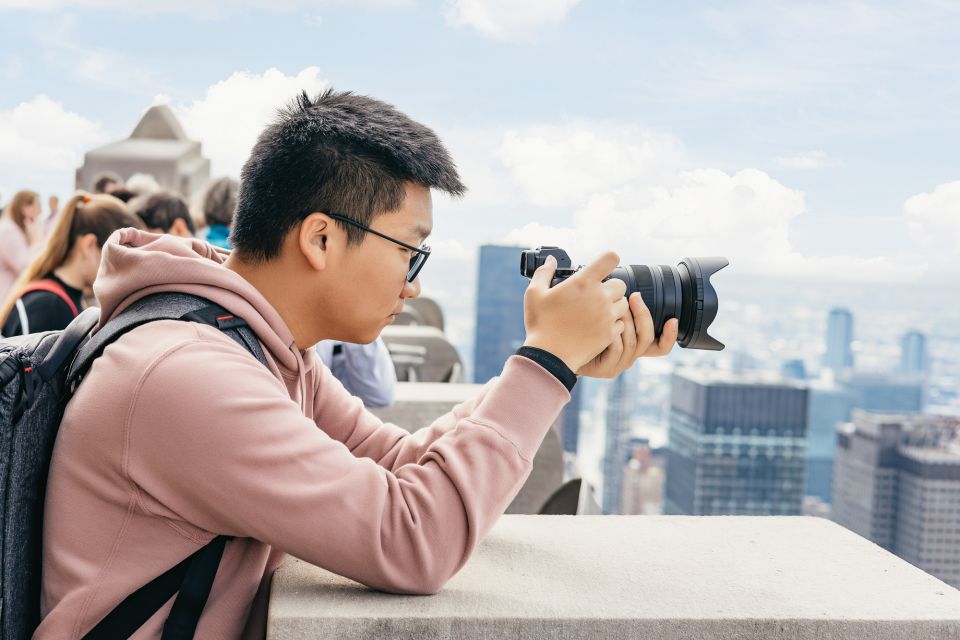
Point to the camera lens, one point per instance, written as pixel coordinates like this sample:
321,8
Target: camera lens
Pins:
682,292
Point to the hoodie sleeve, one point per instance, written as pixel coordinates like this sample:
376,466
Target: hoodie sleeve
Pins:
233,454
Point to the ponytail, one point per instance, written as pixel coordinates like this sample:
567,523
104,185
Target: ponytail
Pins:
98,214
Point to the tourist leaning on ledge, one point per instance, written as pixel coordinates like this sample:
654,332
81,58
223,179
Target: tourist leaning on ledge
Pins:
177,434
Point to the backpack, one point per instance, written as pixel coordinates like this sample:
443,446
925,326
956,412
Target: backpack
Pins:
38,375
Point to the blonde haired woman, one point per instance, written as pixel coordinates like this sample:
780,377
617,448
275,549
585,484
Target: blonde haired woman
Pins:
49,294
15,237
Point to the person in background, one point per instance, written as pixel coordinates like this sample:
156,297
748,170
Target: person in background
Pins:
365,370
107,182
166,212
219,205
16,237
142,186
49,293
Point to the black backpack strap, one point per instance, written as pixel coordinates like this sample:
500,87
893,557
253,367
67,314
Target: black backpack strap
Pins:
192,579
163,306
194,574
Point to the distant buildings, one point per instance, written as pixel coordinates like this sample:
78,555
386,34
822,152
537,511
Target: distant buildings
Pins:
620,392
884,393
829,406
737,445
839,354
499,327
643,479
913,353
571,420
897,483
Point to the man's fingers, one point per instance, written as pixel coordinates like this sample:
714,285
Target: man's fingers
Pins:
543,276
616,289
667,339
642,320
630,329
601,267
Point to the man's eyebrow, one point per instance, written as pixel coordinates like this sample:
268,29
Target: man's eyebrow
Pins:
421,231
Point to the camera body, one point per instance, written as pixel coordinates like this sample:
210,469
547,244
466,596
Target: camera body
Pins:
682,292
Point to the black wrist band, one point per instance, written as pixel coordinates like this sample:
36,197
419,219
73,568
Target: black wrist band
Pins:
551,363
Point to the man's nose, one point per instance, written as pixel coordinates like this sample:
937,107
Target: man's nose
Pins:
411,289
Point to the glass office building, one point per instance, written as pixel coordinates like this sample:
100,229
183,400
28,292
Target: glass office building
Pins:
737,445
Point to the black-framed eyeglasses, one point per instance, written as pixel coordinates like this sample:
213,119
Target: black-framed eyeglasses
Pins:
418,258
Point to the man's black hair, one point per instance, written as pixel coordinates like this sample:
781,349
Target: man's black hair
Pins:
162,209
338,153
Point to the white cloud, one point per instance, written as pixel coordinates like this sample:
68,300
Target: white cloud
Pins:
506,19
40,135
807,160
934,220
564,165
233,112
635,191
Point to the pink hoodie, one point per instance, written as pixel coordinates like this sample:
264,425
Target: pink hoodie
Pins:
177,434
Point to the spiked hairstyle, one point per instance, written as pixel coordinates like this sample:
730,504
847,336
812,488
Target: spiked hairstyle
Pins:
337,153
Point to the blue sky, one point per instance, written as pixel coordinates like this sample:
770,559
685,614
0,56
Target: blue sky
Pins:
799,139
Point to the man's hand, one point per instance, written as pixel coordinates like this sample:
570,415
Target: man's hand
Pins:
636,341
579,317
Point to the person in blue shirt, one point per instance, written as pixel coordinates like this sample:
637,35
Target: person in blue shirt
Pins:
219,205
365,370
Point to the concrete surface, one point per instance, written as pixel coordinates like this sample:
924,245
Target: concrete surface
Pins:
650,577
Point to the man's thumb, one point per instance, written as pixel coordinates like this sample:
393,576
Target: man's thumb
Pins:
543,276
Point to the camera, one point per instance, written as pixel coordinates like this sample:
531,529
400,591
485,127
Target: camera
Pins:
682,292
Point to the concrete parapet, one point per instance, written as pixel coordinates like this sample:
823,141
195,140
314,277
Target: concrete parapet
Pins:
633,577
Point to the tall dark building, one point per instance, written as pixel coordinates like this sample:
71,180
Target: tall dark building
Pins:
571,420
839,355
913,353
737,445
897,482
499,329
620,394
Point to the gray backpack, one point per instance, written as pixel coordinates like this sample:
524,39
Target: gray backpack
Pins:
38,373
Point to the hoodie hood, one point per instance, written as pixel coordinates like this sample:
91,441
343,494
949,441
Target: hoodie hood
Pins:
136,263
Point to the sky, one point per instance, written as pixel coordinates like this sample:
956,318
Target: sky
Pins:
803,141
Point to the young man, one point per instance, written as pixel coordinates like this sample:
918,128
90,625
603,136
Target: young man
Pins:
178,434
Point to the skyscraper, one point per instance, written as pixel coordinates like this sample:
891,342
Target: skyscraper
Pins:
913,353
620,393
571,420
839,355
897,482
737,445
499,329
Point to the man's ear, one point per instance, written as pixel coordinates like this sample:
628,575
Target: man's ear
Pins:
312,238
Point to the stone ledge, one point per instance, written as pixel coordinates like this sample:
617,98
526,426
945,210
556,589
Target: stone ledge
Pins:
664,577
